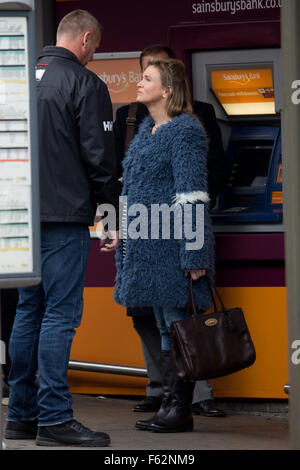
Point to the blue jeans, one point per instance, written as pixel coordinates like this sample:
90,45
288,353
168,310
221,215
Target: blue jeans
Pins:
164,317
44,327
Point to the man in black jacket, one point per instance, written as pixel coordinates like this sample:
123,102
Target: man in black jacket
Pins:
77,171
143,318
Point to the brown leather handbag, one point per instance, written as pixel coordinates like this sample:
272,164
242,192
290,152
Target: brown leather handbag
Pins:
207,346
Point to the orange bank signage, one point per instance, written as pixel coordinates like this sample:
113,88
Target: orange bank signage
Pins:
121,77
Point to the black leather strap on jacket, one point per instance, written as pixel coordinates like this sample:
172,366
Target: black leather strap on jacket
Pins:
130,122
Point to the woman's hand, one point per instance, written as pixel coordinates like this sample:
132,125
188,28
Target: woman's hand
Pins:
195,273
109,241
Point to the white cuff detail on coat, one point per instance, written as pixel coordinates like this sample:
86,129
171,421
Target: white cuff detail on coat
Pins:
194,196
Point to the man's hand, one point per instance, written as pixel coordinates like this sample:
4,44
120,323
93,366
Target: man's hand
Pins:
195,273
109,241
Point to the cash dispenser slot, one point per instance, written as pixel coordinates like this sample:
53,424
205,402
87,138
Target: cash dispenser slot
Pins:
254,189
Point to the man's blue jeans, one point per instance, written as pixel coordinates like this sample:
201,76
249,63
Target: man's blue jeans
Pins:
44,327
164,317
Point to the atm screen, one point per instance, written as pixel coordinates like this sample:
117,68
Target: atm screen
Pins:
251,164
244,91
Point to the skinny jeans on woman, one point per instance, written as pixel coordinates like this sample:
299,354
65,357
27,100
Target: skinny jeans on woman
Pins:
164,317
44,327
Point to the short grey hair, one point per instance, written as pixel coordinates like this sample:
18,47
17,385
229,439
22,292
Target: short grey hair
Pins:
77,22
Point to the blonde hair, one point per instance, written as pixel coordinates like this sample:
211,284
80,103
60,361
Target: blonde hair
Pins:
173,77
77,22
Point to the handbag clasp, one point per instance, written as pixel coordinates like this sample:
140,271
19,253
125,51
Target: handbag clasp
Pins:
211,322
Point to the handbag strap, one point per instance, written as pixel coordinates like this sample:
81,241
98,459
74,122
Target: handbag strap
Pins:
191,306
214,292
130,123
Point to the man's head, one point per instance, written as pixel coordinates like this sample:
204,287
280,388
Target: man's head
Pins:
80,32
155,52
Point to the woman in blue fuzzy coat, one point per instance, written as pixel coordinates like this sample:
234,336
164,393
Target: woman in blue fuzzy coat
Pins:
166,232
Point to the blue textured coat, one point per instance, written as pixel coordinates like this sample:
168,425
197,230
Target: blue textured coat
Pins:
164,168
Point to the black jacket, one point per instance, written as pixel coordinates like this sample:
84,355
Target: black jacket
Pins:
216,162
76,147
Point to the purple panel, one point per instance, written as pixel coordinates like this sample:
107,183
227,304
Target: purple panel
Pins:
252,260
270,275
224,36
131,26
250,246
101,269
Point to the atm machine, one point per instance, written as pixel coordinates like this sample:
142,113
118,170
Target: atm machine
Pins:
254,189
245,94
244,87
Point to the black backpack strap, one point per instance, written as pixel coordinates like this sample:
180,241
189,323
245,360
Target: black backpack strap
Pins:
130,123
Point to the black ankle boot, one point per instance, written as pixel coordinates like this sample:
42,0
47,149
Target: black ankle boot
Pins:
168,382
179,417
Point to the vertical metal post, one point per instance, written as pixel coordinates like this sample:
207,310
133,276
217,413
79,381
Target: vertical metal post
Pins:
1,380
291,173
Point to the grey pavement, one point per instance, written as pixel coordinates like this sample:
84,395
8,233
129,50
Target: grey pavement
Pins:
237,431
